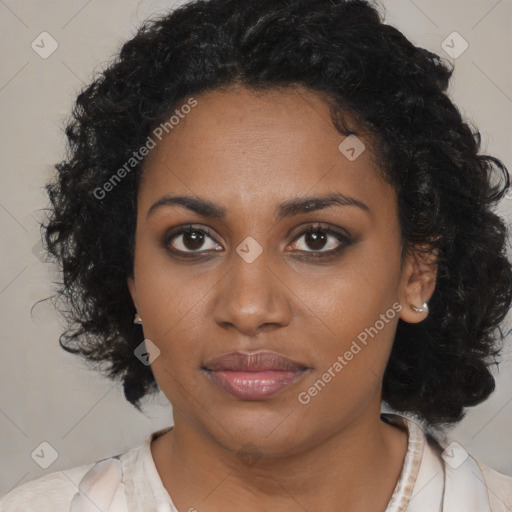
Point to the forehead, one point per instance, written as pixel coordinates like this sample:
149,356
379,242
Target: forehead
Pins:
255,148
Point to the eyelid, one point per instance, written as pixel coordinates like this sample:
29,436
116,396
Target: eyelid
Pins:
174,232
327,228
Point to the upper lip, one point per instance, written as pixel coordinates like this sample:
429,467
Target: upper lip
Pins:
253,362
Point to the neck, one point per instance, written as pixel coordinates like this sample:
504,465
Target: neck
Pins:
357,466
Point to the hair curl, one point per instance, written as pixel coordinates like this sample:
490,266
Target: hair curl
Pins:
393,89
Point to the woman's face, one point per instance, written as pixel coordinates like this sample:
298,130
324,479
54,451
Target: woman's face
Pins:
249,278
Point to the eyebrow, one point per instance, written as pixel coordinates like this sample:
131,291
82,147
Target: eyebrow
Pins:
289,208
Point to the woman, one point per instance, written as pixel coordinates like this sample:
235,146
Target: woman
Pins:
273,213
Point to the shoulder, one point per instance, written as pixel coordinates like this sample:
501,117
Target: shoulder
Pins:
468,483
499,488
52,492
468,478
104,482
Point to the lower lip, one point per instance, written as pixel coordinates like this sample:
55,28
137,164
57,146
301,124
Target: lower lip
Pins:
255,385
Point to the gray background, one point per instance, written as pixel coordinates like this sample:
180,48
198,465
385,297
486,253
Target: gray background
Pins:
49,395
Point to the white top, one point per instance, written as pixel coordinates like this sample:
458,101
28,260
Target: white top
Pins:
430,481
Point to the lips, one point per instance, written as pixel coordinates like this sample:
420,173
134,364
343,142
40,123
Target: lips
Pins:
254,376
253,362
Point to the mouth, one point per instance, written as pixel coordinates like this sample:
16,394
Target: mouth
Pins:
254,376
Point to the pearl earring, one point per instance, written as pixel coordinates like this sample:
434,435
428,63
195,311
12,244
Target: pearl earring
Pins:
137,320
424,307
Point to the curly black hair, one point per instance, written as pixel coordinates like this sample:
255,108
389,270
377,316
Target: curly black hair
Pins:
392,89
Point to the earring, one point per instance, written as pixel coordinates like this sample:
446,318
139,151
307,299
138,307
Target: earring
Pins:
424,307
137,320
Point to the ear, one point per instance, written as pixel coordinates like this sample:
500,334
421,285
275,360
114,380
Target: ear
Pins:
418,282
131,287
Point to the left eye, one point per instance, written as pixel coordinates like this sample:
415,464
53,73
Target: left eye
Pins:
317,237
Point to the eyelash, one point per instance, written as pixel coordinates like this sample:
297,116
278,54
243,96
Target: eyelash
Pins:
324,255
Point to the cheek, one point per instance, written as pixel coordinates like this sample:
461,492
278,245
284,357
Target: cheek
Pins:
169,306
177,369
352,355
353,296
166,293
357,309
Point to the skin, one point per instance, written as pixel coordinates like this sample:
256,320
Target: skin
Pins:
249,152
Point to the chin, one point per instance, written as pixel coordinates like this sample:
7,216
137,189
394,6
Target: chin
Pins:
257,433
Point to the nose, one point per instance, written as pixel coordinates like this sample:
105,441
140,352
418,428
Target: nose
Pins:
252,297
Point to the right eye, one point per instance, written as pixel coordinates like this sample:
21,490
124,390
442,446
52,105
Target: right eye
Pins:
189,239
